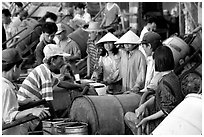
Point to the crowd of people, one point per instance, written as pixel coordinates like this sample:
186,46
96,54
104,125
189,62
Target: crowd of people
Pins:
126,64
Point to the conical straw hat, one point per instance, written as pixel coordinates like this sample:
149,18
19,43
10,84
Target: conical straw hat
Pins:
129,37
107,38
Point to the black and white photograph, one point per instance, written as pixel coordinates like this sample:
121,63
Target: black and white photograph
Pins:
101,67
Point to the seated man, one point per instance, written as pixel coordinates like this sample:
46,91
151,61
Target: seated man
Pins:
41,80
68,45
11,67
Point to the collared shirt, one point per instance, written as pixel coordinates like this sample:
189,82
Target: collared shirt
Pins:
155,80
150,67
10,32
111,14
133,70
110,65
70,46
144,30
38,84
9,106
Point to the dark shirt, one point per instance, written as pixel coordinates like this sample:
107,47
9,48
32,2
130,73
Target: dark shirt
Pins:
39,51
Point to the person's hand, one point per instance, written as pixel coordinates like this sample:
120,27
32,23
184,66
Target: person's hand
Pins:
142,123
135,90
140,111
127,92
42,113
83,85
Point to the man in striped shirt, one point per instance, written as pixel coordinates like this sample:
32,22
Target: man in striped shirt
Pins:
41,80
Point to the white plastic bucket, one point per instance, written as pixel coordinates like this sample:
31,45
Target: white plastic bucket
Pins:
100,88
185,119
178,47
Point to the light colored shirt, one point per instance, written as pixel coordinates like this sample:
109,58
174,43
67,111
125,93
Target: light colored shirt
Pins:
86,17
111,65
111,14
133,70
38,84
9,105
10,32
69,46
150,67
144,30
10,109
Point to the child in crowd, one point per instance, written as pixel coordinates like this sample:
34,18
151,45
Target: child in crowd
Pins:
167,96
133,63
109,63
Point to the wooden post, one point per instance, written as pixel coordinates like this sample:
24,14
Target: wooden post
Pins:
181,20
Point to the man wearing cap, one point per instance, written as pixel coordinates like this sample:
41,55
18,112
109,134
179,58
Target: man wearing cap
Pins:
11,67
150,42
41,80
49,29
67,45
133,63
95,33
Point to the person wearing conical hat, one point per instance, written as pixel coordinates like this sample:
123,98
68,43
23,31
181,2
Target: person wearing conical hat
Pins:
133,63
95,33
109,63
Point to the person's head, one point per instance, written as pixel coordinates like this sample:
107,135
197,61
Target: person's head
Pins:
151,24
130,41
110,47
94,30
49,29
54,57
11,63
50,17
150,42
6,16
23,15
80,8
19,6
61,31
164,60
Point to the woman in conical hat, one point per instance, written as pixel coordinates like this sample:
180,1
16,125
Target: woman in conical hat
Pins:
133,63
108,64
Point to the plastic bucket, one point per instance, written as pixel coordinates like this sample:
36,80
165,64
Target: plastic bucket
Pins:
178,47
72,128
100,88
104,114
49,126
185,119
